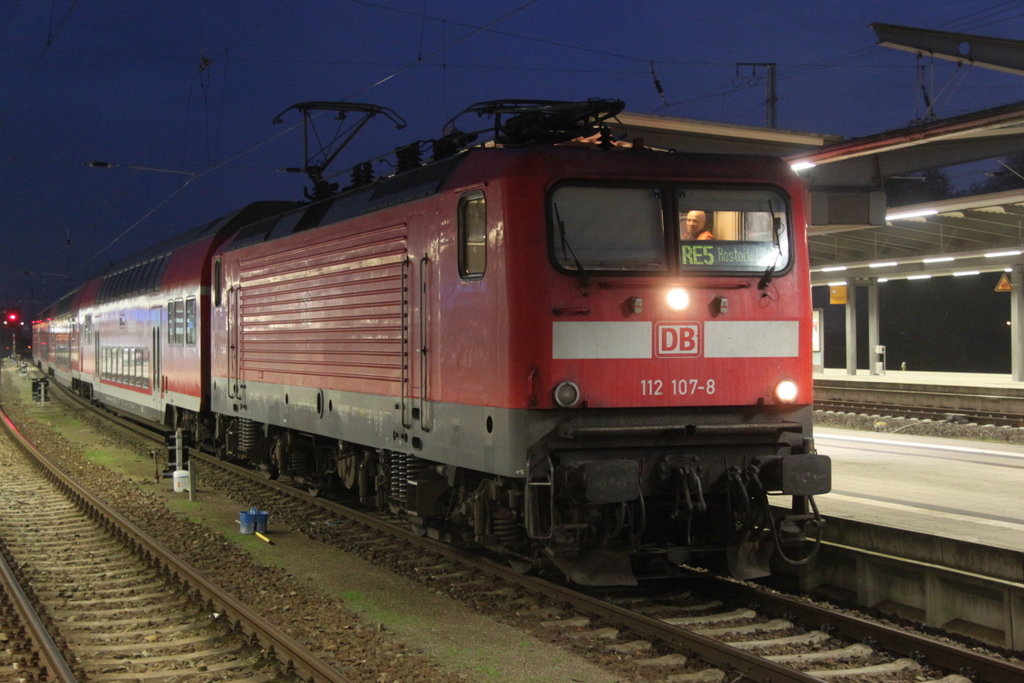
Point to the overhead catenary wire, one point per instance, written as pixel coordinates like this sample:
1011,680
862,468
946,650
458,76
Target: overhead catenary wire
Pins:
285,131
786,73
35,65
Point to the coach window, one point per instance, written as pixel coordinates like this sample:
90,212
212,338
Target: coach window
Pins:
472,235
170,322
176,322
179,322
190,321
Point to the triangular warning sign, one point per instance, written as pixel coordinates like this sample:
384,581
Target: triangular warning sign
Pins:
1004,284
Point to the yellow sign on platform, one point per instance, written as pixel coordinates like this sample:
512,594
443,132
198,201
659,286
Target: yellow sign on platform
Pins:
1004,284
837,294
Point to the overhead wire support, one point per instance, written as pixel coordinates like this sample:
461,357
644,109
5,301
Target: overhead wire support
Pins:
658,87
317,163
771,99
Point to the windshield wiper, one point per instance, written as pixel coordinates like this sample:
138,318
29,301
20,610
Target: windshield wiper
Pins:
769,272
568,247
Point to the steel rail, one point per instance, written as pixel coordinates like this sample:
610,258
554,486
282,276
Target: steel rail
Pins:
278,643
53,661
711,651
908,411
935,652
949,657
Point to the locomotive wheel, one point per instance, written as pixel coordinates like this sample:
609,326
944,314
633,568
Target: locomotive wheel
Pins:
316,485
348,471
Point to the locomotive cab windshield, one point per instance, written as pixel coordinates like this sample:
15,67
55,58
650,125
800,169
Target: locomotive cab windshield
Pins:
685,230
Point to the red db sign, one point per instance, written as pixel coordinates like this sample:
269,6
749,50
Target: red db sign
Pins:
677,339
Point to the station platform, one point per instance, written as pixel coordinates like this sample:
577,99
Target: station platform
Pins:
951,392
956,489
947,379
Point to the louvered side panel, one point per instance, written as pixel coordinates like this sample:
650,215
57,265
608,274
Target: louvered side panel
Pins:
330,308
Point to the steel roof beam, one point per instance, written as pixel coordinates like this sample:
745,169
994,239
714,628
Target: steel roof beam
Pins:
1000,54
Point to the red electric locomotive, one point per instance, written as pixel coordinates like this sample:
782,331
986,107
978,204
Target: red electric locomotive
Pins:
582,354
518,344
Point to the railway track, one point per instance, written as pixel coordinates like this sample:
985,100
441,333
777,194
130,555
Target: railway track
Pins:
28,649
120,604
960,416
676,636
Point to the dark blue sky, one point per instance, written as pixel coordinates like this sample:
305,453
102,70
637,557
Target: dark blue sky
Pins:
121,81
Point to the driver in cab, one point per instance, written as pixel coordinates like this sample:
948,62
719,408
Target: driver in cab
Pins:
696,227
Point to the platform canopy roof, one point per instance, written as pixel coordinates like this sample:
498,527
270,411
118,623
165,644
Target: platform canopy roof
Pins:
852,227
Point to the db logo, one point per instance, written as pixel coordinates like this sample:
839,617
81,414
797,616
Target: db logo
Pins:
677,339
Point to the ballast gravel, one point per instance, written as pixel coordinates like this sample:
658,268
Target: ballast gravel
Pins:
372,626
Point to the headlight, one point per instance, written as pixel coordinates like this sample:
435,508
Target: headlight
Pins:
678,299
567,394
786,391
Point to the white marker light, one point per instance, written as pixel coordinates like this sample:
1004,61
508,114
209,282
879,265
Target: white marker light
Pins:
678,299
786,391
567,394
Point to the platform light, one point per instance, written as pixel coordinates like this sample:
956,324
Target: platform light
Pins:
996,254
919,277
910,214
1007,270
786,391
678,299
967,272
802,165
832,269
883,264
841,283
940,259
882,279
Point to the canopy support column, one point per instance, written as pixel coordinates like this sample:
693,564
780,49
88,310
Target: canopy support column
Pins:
851,329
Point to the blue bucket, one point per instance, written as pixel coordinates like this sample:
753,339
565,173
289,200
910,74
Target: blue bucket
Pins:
252,521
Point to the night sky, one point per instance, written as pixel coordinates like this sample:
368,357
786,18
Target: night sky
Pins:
190,88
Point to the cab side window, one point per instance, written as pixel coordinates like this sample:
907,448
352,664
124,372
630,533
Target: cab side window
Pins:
472,235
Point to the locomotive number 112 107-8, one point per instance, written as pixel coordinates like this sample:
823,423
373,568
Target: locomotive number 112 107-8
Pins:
676,387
